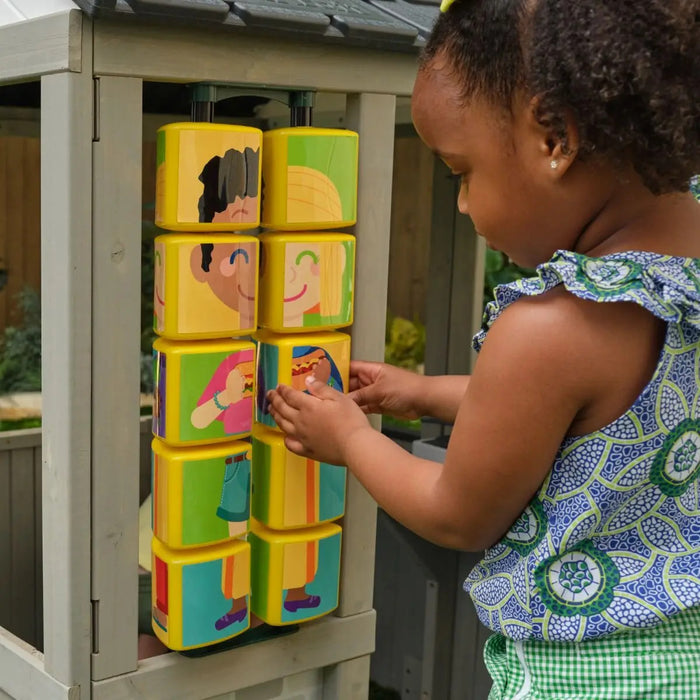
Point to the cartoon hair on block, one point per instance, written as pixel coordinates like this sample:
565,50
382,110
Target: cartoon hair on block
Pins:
225,178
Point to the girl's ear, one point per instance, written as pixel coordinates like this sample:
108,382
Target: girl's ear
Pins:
555,153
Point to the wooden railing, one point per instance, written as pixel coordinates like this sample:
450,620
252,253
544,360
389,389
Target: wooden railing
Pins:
21,586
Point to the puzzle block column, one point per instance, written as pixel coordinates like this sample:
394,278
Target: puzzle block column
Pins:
306,294
205,298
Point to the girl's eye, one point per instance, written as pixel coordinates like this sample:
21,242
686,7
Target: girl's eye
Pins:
236,253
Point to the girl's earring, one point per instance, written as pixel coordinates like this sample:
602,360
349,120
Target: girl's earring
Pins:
554,164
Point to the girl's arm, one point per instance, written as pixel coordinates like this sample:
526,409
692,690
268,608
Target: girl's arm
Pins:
380,388
549,363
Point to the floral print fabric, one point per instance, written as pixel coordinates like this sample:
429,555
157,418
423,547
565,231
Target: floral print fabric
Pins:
611,541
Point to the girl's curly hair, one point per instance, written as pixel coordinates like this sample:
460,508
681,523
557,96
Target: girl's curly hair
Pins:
627,70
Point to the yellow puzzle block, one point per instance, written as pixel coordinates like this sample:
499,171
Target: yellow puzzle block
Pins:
307,281
208,177
292,491
200,596
295,574
310,178
201,495
289,359
205,287
203,390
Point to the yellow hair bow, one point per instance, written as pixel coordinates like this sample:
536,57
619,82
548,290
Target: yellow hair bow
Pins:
445,5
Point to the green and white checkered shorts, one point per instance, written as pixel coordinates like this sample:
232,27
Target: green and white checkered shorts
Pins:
661,663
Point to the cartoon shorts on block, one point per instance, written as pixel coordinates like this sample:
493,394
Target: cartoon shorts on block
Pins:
201,495
310,178
203,390
200,596
293,491
205,286
208,177
295,574
289,359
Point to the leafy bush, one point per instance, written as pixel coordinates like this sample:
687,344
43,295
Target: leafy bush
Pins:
20,347
404,343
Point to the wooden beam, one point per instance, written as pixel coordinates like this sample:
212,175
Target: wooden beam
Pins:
191,54
22,675
317,644
40,46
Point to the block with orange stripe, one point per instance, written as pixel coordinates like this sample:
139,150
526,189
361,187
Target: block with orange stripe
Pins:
292,491
295,573
200,596
306,281
309,178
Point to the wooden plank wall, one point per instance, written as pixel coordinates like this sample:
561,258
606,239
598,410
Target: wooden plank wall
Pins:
20,233
21,605
411,213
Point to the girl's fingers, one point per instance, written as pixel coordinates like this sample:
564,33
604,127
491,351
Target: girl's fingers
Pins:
354,384
280,406
292,397
294,445
285,425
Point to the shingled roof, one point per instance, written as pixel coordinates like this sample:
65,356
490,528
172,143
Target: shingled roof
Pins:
398,25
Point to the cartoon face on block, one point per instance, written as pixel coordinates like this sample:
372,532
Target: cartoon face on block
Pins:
317,286
229,270
217,172
230,187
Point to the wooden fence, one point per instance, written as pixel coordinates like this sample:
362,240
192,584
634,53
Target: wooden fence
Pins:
21,586
20,234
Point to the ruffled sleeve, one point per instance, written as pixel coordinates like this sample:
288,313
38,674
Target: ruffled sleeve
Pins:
668,287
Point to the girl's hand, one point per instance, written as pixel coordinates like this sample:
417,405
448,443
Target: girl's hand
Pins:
319,424
377,387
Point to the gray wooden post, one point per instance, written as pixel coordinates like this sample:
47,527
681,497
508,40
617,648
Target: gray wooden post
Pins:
373,116
116,313
66,264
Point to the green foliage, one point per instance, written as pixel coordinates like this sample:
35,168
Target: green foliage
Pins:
404,343
500,270
20,347
22,424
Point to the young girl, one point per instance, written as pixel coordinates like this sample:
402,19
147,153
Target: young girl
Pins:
575,454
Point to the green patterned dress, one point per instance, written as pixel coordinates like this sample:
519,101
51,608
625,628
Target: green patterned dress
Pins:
605,560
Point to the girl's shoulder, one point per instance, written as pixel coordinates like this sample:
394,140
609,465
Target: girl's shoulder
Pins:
667,286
